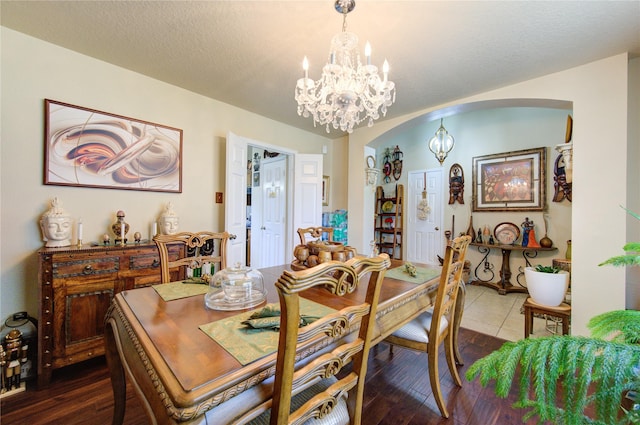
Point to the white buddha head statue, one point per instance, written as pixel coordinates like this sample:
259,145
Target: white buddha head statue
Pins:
56,225
168,220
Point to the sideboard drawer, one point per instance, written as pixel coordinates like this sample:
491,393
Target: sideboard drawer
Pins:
144,261
85,267
151,260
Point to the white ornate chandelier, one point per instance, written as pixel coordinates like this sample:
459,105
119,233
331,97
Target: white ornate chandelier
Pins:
348,92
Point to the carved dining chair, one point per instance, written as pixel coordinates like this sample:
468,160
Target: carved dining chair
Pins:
305,390
202,251
314,233
436,326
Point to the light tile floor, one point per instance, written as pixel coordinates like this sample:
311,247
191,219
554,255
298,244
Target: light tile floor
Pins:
490,313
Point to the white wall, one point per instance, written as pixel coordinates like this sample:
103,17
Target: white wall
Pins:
598,91
33,70
633,177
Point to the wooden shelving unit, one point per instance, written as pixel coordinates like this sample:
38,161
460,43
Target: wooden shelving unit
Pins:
388,222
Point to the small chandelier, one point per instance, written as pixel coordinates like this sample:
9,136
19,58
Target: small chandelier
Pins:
348,92
441,144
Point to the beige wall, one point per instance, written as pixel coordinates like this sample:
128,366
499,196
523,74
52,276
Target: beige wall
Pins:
32,71
599,92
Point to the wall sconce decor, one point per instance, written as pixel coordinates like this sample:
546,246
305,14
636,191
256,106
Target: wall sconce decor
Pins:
397,163
371,172
387,168
441,143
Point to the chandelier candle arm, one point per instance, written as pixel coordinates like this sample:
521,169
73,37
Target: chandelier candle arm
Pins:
367,52
348,92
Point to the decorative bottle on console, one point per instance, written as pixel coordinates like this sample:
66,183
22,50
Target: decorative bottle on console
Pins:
120,229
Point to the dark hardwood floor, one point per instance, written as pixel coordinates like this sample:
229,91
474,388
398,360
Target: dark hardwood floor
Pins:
397,392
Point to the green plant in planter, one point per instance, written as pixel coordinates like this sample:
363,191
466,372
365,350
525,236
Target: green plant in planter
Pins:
547,269
573,380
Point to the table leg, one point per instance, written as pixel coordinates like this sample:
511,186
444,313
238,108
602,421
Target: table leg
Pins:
118,381
505,271
528,321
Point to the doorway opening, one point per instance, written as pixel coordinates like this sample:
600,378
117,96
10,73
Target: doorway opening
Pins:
267,212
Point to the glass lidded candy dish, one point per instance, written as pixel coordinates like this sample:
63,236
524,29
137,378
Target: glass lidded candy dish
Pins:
235,288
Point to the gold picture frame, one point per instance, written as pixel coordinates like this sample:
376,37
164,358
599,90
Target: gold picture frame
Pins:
511,181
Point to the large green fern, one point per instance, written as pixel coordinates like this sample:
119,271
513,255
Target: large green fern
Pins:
561,376
573,380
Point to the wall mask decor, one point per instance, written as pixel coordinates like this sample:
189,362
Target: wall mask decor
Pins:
563,167
397,163
562,188
456,184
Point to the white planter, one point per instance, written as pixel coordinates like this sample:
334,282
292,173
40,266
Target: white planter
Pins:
547,289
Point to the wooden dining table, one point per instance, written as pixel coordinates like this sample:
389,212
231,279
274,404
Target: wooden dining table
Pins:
180,373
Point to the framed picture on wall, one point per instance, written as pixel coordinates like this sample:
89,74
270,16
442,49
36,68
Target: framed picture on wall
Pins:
325,191
511,181
89,148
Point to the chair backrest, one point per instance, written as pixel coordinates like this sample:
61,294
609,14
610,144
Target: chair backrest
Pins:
340,279
444,305
203,252
314,233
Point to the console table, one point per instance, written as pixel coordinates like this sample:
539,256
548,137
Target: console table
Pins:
485,267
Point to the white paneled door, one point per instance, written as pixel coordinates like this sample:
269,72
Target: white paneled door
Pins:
274,213
425,238
235,209
308,192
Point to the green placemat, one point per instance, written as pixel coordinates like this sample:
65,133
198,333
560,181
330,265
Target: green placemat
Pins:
247,346
176,290
424,274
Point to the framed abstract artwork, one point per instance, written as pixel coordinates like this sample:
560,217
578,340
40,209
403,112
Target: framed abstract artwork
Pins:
89,148
511,181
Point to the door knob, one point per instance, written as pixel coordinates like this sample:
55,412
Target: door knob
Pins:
263,228
437,228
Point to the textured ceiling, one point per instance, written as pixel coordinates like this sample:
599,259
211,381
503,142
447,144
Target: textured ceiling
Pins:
249,53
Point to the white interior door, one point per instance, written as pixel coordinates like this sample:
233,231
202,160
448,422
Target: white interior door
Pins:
235,209
273,227
424,237
307,197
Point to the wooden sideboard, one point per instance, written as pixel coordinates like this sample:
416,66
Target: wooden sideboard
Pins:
76,286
